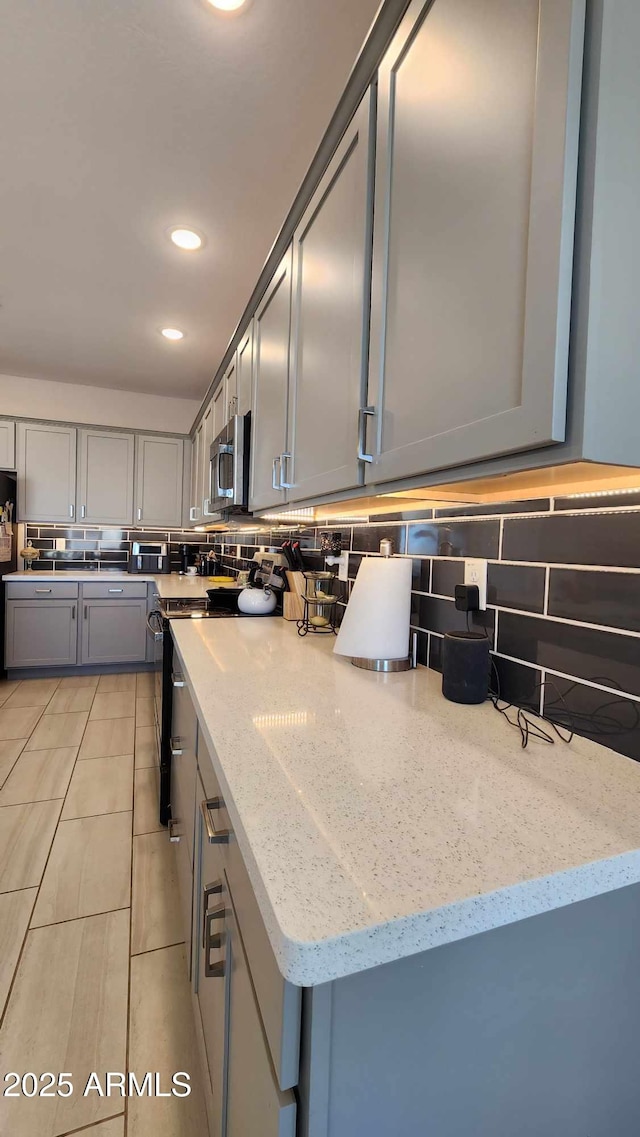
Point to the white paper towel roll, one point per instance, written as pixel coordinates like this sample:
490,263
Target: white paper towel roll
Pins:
376,622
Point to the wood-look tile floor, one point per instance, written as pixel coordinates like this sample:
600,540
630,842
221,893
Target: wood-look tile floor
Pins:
92,972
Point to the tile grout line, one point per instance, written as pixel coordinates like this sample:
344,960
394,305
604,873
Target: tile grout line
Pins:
92,1125
44,869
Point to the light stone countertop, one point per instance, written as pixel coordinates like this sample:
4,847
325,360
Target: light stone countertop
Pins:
378,820
171,585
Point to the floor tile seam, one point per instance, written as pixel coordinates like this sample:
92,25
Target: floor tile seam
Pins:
160,947
92,1125
128,754
34,801
75,919
25,740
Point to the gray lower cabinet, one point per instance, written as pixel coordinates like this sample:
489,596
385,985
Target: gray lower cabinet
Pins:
331,297
159,479
46,465
113,631
183,796
41,633
7,444
476,161
269,460
105,477
254,1105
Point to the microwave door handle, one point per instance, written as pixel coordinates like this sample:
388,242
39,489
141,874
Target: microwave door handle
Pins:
238,460
217,464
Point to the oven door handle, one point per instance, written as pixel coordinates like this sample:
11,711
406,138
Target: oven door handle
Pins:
154,631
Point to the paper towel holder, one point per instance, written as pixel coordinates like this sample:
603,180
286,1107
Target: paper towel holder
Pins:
388,666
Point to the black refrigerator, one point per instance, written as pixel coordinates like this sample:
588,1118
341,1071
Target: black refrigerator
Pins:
8,553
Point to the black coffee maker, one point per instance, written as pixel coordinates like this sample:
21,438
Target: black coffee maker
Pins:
188,555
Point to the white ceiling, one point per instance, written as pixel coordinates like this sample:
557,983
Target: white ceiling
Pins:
121,118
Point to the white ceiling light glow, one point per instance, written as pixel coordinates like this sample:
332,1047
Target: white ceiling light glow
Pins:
187,239
172,334
227,5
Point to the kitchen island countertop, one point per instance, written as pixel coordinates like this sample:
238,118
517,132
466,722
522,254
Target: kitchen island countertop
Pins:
378,820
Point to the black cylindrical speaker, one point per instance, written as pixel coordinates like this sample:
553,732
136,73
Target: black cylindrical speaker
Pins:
465,667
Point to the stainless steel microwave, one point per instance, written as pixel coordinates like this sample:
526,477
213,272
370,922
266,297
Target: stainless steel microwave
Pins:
229,470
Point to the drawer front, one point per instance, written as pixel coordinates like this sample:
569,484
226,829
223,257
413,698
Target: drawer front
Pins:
279,1001
42,590
119,590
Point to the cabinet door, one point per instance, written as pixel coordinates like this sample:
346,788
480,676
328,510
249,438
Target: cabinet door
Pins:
46,462
254,1102
230,391
159,481
478,114
41,633
7,445
205,459
195,511
210,983
270,389
105,477
244,365
114,631
331,281
183,796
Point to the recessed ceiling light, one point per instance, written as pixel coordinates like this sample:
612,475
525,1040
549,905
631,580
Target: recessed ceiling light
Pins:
187,239
228,5
172,334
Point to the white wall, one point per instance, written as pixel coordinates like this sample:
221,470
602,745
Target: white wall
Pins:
102,406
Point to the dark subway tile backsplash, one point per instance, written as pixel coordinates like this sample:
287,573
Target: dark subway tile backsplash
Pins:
537,505
607,658
442,616
457,539
516,683
367,538
575,539
445,575
516,586
609,598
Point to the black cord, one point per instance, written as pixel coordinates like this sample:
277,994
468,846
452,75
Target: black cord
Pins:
564,722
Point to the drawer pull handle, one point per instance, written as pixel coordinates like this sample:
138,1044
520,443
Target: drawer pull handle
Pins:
211,942
173,837
176,747
73,612
116,590
363,414
217,913
86,609
177,680
43,590
214,836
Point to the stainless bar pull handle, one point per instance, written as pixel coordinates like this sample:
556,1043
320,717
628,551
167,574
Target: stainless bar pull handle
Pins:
173,837
363,414
83,511
217,913
72,511
175,745
73,612
275,481
43,590
211,942
139,514
85,611
284,484
177,680
214,836
116,590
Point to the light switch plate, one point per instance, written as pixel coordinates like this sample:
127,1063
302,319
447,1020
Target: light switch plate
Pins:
475,572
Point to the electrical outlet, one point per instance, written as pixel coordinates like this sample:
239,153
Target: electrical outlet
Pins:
475,572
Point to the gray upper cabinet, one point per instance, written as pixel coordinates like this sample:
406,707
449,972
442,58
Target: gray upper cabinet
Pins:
244,366
331,296
195,510
7,445
158,495
230,390
205,458
46,464
105,477
478,114
269,463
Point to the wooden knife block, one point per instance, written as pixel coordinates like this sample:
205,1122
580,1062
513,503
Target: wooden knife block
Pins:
292,603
